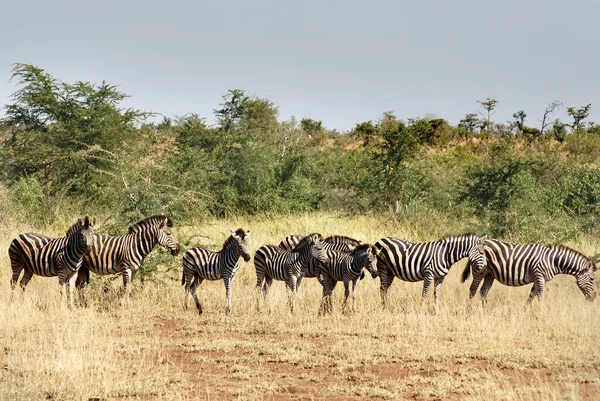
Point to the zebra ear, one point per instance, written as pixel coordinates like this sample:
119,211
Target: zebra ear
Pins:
351,248
233,234
80,221
247,234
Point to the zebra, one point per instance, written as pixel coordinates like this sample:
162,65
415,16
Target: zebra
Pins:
201,264
521,264
426,261
272,262
125,253
50,257
348,268
335,242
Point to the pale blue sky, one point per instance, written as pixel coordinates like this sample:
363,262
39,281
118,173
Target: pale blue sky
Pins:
341,62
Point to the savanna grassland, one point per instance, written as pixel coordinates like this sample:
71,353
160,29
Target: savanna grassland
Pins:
151,348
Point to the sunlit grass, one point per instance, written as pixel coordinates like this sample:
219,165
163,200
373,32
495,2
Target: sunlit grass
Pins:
149,347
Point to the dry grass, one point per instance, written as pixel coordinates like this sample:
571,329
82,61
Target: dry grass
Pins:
151,348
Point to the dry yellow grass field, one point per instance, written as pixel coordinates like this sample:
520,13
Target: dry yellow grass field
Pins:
150,348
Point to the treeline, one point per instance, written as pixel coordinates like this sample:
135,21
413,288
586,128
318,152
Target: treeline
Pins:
69,147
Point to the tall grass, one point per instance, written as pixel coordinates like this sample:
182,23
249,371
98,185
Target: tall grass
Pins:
149,347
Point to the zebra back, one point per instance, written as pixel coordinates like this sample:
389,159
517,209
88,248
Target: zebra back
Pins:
290,242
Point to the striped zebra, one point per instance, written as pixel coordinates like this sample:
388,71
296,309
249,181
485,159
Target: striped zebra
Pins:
273,263
125,253
426,261
335,242
201,264
348,268
521,264
51,257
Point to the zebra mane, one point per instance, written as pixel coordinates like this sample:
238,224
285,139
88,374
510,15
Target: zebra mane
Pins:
239,232
564,248
76,226
451,237
341,239
150,222
305,240
361,248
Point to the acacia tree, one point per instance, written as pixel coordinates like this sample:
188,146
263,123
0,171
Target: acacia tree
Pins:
488,106
67,135
578,116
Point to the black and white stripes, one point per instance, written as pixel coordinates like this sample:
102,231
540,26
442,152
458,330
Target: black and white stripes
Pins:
346,267
47,257
426,261
521,264
125,253
201,264
274,263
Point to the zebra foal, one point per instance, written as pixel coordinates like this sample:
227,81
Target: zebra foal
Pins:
49,257
201,264
335,242
347,268
425,261
273,263
521,264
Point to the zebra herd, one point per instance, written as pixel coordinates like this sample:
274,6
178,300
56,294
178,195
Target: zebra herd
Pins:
330,260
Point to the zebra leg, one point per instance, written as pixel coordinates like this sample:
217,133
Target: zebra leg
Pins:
187,282
427,280
537,290
475,285
346,295
25,279
385,282
436,292
127,276
71,294
227,282
197,281
354,282
292,297
83,276
16,272
487,284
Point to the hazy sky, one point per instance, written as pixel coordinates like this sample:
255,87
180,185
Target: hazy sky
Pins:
341,62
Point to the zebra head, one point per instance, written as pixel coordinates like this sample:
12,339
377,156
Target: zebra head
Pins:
84,232
367,257
477,254
585,280
241,238
166,238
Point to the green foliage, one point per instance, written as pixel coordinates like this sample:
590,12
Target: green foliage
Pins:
467,125
578,115
72,149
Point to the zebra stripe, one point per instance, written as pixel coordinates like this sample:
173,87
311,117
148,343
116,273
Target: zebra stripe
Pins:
201,264
516,265
273,263
50,257
426,261
125,253
348,268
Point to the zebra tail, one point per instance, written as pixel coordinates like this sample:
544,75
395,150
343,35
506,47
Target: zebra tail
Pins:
466,273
